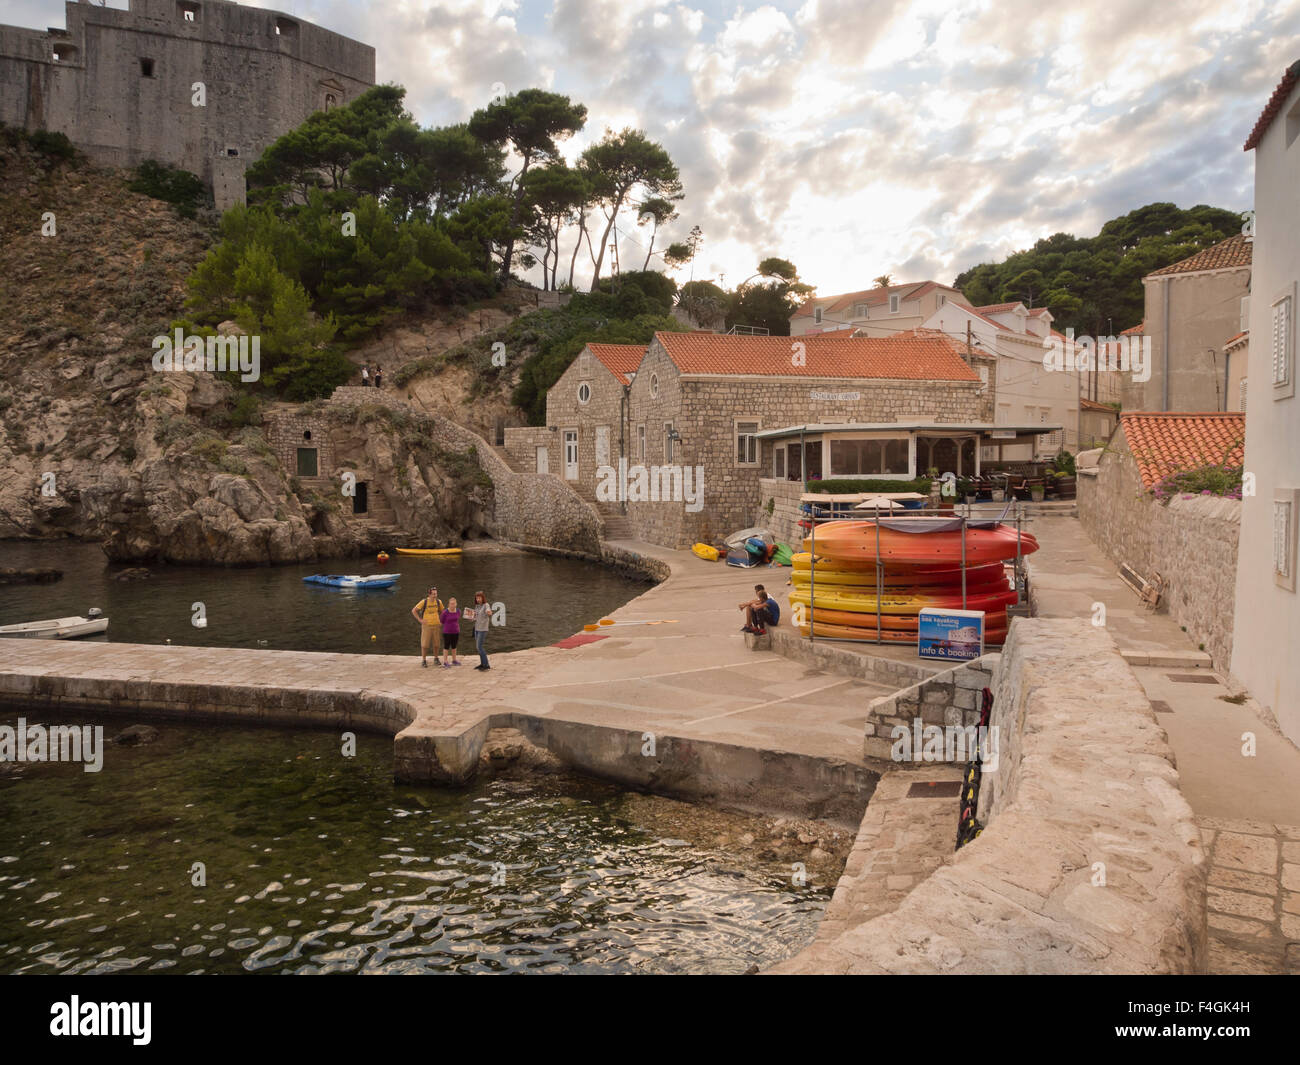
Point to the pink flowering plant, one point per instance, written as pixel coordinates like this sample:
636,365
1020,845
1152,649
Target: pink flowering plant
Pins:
1211,479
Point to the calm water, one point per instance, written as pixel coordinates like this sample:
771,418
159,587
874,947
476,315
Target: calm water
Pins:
545,599
319,863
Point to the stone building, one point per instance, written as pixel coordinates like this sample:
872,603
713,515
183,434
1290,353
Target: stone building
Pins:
1193,308
123,85
700,404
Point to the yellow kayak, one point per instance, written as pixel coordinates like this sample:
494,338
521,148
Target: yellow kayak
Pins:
709,554
837,598
429,550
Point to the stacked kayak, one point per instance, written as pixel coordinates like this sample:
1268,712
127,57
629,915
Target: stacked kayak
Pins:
870,583
429,552
378,580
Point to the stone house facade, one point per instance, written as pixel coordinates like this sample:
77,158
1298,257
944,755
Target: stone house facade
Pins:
699,402
1193,308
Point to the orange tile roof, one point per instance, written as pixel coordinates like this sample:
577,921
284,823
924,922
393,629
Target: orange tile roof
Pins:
955,344
824,355
1163,443
1274,105
1134,330
1092,404
621,360
1235,341
1037,312
998,308
1229,254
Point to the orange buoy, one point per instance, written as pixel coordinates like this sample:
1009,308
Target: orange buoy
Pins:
383,556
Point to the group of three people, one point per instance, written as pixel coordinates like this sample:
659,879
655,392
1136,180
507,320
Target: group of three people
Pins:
368,375
440,628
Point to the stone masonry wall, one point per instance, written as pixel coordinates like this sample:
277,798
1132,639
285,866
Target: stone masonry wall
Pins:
1090,860
784,519
952,697
604,409
1192,543
522,443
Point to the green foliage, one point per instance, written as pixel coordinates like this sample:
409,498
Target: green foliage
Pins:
848,485
627,316
1210,479
1063,463
768,305
185,191
1087,281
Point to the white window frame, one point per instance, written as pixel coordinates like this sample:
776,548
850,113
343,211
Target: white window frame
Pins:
736,434
778,462
654,386
640,442
1286,512
893,304
668,443
1281,341
1241,395
584,400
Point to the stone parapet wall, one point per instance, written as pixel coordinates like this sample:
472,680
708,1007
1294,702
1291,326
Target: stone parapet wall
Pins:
1191,542
952,697
784,518
522,444
830,657
1090,860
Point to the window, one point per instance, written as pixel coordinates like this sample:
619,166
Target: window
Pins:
1283,348
1003,415
189,12
668,442
640,442
778,463
860,310
893,304
654,386
746,443
285,27
1241,396
1285,505
817,315
64,53
232,152
330,101
146,68
1245,313
584,392
943,298
984,375
856,458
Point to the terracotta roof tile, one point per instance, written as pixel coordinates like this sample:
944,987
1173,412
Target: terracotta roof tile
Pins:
1228,254
870,296
1235,341
1163,443
621,360
824,355
998,308
1274,105
1134,330
1092,404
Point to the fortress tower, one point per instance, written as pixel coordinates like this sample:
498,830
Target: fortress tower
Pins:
121,83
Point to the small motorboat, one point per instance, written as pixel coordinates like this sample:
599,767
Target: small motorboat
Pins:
376,580
57,628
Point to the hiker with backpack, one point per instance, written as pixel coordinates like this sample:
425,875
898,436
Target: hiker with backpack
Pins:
428,612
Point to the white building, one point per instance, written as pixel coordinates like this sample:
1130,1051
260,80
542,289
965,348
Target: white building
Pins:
1266,639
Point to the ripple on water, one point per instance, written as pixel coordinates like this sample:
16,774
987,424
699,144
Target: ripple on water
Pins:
545,875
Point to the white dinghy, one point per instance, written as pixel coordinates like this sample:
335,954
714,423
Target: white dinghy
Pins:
57,628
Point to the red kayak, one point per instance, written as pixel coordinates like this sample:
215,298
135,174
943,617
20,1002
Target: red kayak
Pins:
853,541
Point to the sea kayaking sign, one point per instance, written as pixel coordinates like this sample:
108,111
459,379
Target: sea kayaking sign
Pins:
950,635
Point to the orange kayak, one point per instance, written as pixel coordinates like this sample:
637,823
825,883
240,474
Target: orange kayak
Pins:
855,541
993,621
895,583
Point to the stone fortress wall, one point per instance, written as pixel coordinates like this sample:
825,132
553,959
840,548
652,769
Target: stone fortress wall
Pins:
119,83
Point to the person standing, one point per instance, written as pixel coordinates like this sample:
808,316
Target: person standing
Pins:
379,376
482,619
428,612
450,633
365,375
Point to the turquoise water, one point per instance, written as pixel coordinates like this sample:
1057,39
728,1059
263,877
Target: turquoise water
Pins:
318,863
545,599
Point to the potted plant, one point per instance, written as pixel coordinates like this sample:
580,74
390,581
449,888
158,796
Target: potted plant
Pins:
966,489
1037,490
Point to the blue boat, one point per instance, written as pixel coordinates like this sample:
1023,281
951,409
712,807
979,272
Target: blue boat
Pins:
378,580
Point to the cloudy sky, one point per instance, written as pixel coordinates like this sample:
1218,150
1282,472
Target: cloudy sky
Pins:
860,137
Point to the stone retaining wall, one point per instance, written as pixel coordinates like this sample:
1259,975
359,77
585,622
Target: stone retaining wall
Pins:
1190,542
952,697
835,658
1090,861
784,519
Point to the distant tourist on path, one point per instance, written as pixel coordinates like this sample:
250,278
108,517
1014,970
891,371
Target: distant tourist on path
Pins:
760,612
379,376
450,633
482,619
428,612
365,375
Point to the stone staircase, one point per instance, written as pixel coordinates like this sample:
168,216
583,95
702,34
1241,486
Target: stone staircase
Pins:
613,522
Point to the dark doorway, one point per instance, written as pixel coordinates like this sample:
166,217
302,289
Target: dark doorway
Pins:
361,501
306,462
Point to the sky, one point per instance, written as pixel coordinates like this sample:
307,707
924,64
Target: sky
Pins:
861,137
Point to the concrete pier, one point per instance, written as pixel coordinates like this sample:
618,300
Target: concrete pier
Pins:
669,699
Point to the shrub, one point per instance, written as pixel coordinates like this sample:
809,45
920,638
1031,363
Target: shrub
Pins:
54,146
1211,479
847,485
183,190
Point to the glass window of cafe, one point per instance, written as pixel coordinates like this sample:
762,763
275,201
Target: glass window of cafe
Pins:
862,458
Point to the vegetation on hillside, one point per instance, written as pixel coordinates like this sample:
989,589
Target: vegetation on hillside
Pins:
1088,282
